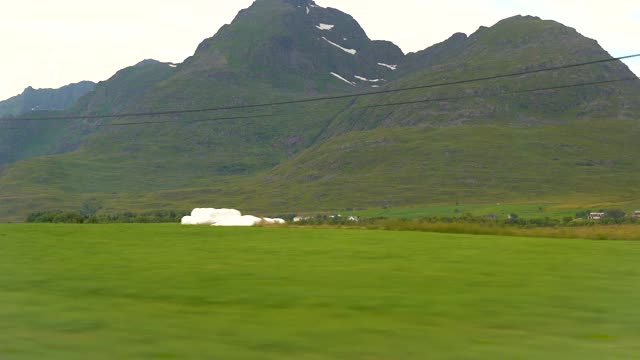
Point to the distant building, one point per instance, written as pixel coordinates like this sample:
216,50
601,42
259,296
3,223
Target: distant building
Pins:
596,216
636,214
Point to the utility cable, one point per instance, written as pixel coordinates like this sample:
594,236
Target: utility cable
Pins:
561,87
194,121
326,98
244,117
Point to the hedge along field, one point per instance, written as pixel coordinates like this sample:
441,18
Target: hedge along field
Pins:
171,292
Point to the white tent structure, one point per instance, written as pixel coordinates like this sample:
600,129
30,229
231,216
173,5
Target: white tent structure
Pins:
225,217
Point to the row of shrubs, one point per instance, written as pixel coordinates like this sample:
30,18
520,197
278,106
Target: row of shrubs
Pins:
77,217
172,216
513,221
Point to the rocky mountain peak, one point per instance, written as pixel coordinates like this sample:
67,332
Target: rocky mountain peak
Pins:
284,42
147,62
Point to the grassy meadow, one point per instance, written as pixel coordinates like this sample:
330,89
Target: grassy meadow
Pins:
170,292
587,232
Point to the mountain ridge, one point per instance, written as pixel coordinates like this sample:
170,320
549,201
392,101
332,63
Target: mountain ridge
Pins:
45,99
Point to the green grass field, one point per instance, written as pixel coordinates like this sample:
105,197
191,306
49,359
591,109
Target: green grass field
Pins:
170,292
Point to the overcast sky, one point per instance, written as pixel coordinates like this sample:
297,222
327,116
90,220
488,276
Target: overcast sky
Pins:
50,43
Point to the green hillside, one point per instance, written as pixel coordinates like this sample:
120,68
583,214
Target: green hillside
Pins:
571,146
513,45
124,89
26,140
581,164
576,162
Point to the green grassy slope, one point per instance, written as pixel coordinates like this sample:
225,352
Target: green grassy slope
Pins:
578,164
19,141
124,89
158,292
583,164
479,164
145,160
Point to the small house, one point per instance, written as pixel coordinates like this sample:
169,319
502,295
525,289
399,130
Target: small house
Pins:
596,216
636,214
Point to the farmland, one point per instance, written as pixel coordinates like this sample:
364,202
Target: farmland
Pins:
165,291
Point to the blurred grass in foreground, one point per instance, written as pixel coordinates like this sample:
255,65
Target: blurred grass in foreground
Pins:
170,292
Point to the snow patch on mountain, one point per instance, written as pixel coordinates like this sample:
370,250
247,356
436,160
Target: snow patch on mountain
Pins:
350,51
369,80
343,79
392,67
325,26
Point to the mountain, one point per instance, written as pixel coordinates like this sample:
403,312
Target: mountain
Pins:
570,146
295,46
30,139
45,99
513,45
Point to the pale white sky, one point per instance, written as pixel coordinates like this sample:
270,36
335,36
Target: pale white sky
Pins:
50,43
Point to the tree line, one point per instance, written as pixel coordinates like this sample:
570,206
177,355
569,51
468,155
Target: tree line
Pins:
612,217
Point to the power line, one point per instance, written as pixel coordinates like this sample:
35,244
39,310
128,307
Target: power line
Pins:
326,98
193,121
560,87
503,93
